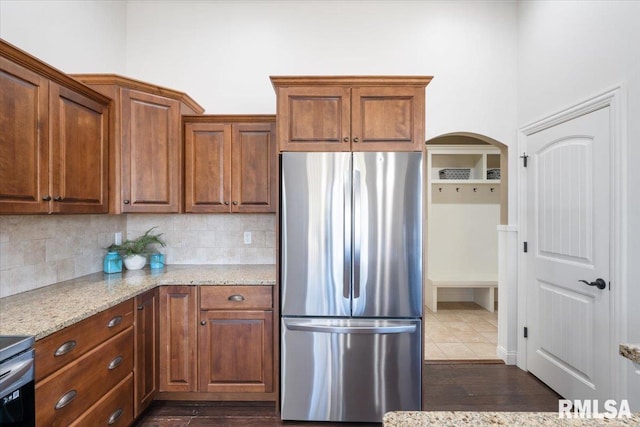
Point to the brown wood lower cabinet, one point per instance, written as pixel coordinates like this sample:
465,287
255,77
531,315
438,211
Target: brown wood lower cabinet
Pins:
235,351
173,342
114,409
65,395
146,350
178,338
80,371
225,353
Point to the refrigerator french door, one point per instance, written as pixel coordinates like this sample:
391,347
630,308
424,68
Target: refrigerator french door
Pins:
351,293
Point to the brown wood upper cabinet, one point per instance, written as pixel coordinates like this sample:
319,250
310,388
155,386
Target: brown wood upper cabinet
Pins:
230,163
54,139
146,155
353,113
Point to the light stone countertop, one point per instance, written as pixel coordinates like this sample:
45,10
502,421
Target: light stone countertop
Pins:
481,419
43,311
631,352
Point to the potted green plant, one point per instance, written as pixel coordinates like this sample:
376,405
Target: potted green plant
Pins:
134,251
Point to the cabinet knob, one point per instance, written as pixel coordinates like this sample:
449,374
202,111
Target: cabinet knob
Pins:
346,139
141,307
203,322
226,203
126,202
46,198
57,199
235,203
356,139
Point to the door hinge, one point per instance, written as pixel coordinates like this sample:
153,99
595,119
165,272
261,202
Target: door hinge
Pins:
526,332
525,246
524,158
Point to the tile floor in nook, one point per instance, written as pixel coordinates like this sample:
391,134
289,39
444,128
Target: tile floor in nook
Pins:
460,331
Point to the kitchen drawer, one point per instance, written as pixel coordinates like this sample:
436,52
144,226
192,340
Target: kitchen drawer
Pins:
84,381
235,297
77,339
114,409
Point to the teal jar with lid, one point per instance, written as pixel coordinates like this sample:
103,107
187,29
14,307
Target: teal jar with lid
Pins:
112,262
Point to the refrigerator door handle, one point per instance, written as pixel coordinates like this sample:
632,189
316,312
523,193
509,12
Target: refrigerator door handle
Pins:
314,327
357,219
346,279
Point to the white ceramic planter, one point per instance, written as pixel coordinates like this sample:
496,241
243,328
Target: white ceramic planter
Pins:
135,262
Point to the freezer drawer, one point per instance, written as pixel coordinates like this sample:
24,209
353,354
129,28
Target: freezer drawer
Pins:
349,369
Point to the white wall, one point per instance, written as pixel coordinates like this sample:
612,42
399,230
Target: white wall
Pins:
568,52
73,36
223,52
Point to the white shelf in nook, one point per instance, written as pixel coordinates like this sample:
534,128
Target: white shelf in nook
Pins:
462,218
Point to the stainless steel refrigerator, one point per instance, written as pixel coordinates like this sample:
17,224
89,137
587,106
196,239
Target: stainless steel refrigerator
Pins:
351,294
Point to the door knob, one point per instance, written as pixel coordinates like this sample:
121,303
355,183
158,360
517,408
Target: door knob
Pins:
599,283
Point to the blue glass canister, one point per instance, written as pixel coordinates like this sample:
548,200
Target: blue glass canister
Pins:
157,261
112,262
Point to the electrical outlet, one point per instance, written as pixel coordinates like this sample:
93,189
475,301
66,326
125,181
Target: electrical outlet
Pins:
117,237
247,237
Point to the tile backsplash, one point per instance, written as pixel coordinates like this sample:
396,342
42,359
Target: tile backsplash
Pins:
39,250
211,239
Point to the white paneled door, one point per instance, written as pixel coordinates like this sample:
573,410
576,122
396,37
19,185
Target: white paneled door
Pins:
568,226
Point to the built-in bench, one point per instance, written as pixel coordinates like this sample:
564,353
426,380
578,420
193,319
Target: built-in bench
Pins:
483,292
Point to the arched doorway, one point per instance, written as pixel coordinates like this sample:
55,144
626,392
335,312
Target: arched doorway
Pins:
466,200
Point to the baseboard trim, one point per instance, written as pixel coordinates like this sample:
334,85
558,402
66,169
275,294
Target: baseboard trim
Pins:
508,357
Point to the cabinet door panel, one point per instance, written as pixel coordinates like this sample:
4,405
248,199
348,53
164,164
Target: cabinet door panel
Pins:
24,163
146,350
254,164
207,167
79,152
313,119
236,351
152,153
387,118
178,338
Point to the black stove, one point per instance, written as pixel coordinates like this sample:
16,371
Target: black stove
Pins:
17,386
13,345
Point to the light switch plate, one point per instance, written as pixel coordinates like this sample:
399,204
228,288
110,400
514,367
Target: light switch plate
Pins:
117,237
247,237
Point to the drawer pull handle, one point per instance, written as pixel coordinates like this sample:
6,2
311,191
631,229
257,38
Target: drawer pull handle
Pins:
236,298
65,348
114,417
66,399
141,307
115,363
114,322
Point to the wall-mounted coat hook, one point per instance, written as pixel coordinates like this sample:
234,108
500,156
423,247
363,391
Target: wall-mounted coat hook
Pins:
492,189
440,189
475,189
457,189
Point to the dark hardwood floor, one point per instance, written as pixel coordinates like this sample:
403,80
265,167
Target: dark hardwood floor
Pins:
446,387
